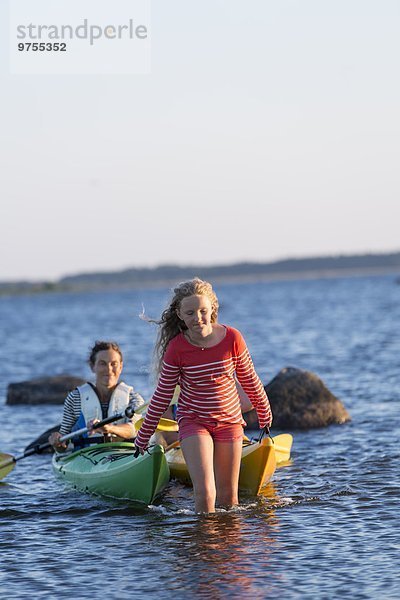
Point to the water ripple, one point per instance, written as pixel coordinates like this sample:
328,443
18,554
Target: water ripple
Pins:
325,528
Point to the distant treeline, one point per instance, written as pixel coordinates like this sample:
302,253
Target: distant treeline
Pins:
246,271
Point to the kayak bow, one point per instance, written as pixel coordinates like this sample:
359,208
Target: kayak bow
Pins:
111,470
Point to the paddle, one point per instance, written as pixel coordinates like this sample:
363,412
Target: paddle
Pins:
282,447
163,425
7,461
173,445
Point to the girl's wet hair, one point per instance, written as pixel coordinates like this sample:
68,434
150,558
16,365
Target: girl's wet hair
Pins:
170,325
100,345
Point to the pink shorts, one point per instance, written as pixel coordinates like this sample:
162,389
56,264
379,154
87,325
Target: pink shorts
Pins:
220,432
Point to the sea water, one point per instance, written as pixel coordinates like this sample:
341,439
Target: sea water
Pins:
325,527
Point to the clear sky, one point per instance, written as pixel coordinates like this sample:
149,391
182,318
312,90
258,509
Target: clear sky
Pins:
266,129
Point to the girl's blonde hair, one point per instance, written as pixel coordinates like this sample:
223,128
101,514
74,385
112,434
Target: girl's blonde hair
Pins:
170,325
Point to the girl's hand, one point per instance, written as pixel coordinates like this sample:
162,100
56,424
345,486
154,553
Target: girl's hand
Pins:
264,432
139,451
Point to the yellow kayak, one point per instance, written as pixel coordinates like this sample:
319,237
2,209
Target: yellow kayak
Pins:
259,461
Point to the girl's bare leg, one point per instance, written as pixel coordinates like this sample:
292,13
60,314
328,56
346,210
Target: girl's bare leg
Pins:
227,457
198,451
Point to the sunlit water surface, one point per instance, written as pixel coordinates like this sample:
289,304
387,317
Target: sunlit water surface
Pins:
326,527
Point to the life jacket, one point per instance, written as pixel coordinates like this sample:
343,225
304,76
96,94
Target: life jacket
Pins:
91,407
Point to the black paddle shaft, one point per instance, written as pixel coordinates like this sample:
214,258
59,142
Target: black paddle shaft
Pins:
40,447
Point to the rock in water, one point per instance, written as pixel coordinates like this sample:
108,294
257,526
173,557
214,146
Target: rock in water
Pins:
300,400
44,390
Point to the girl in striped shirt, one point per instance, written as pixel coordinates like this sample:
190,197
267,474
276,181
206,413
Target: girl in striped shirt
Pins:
204,357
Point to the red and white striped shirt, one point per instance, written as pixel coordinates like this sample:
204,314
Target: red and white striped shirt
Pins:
208,389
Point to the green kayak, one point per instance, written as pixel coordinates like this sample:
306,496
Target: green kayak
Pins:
112,470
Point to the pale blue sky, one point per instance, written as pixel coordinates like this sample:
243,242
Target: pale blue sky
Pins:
266,129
